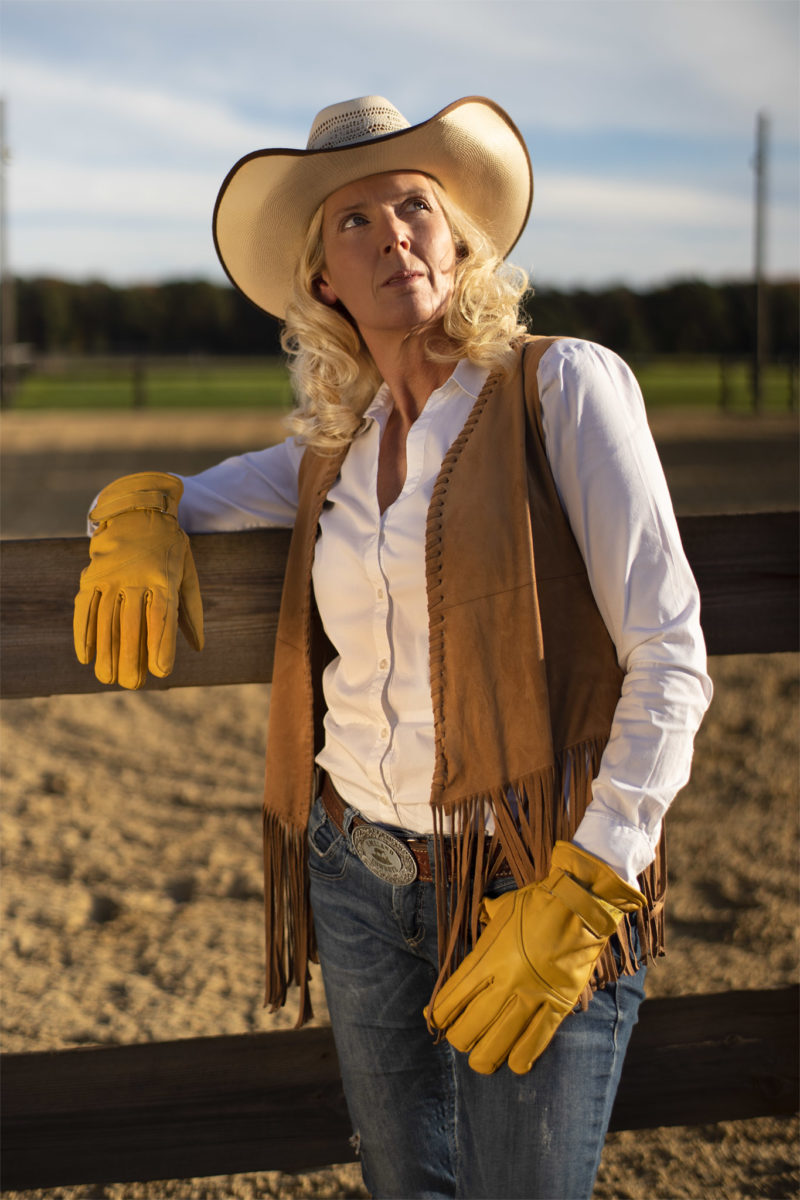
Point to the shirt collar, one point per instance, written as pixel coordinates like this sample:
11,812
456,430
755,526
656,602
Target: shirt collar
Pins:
467,377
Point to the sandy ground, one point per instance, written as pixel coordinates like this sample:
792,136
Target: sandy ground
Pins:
131,833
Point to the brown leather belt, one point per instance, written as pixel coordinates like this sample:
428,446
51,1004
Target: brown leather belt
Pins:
335,807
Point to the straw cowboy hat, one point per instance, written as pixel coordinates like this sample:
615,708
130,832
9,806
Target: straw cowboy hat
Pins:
267,200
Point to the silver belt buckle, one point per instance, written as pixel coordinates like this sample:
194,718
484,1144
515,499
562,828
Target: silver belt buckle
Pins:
384,855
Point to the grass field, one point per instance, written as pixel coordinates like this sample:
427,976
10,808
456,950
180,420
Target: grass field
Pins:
217,383
699,383
214,383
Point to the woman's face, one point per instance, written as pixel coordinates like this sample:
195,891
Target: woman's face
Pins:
389,253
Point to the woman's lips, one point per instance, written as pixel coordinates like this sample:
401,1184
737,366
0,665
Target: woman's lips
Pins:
401,277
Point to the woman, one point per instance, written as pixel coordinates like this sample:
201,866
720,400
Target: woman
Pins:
489,665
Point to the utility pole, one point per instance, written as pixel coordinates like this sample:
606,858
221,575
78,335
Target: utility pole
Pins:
8,335
761,341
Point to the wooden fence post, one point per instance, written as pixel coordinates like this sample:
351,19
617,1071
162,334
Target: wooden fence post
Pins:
139,383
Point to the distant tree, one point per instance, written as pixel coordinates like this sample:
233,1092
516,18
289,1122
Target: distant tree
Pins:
784,321
688,317
45,315
550,311
100,317
612,317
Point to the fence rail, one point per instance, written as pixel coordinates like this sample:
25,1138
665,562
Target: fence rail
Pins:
221,1105
746,567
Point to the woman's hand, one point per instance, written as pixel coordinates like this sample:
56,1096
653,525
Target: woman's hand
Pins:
533,959
140,584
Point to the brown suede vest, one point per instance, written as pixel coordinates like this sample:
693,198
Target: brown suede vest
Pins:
523,674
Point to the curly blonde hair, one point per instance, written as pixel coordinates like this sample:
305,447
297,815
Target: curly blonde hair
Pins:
333,374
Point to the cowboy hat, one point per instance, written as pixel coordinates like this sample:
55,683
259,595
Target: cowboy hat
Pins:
268,198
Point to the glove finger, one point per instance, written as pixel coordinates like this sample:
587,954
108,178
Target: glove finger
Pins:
190,612
535,1040
473,1022
130,636
162,633
106,660
454,996
500,1037
498,1023
84,624
472,975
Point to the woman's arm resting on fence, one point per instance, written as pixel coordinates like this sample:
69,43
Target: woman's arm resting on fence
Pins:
140,584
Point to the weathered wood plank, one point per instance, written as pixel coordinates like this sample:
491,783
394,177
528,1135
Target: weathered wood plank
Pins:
746,566
172,1110
211,1106
713,1057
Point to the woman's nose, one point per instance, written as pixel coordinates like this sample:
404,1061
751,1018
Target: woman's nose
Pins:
395,234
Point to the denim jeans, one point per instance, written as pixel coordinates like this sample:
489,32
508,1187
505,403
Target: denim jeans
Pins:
426,1124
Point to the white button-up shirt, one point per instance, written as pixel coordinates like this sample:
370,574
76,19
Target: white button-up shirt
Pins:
369,582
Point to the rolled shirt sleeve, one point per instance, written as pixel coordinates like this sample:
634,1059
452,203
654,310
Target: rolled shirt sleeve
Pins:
612,487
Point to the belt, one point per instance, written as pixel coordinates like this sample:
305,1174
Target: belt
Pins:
393,858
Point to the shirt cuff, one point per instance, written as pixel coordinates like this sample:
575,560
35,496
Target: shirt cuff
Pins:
626,849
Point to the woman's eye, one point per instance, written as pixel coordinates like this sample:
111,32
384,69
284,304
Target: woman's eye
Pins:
353,221
419,204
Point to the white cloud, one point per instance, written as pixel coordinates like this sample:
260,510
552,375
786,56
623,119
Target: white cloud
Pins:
60,190
582,197
117,255
695,67
72,115
591,230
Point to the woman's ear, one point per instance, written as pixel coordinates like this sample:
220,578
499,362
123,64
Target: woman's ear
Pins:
325,292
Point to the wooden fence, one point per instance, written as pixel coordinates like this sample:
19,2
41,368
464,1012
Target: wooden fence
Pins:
273,1101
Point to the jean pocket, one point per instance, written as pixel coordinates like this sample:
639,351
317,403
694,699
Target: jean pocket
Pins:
327,846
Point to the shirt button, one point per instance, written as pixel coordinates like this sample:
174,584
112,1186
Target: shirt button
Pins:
380,593
383,664
384,733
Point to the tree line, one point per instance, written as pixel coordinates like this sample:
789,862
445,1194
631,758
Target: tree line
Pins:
195,317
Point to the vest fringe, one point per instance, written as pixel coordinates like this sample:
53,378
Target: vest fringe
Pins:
290,941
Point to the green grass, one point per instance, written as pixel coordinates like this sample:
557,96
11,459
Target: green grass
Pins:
264,383
697,383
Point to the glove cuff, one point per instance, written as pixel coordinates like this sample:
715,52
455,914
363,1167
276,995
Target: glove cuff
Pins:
146,490
597,877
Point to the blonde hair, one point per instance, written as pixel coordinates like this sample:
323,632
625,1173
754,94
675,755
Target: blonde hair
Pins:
333,374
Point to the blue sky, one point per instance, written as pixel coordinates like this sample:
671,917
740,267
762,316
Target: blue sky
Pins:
123,117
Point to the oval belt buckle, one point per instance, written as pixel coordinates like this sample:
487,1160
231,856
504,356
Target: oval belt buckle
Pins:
384,855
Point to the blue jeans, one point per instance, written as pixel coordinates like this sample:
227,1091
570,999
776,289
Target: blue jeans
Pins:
426,1124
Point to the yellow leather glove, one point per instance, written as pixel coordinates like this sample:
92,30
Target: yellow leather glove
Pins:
141,582
533,959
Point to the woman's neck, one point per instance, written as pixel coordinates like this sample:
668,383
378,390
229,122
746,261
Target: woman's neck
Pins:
410,375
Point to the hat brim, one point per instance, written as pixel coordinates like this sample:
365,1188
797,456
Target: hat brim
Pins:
268,198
